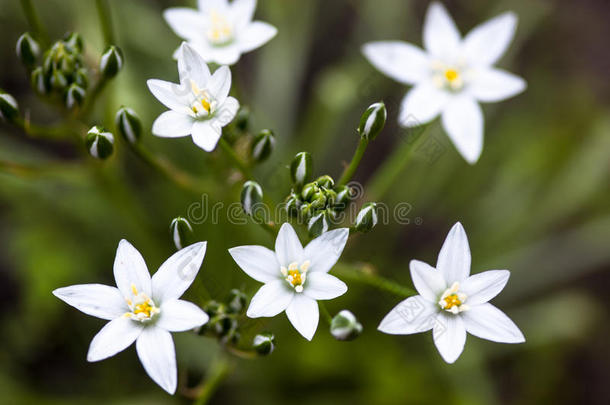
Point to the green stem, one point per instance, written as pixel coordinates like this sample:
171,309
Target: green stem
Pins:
219,371
365,276
325,313
97,89
386,176
34,21
239,163
37,131
103,11
351,169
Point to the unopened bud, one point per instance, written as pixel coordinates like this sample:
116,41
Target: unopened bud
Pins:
264,343
373,121
74,41
111,62
28,49
325,181
75,96
99,142
262,145
58,80
242,120
251,197
128,124
292,205
318,224
345,326
39,82
81,78
180,230
9,108
301,168
237,300
366,218
343,197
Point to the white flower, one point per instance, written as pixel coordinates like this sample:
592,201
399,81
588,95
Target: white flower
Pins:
142,309
451,76
220,31
451,303
199,106
294,277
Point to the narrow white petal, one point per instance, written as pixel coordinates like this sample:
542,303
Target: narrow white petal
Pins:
185,22
463,120
288,247
101,301
206,134
304,315
324,251
487,42
191,66
205,6
243,12
323,286
449,336
413,315
177,273
221,55
179,316
130,270
428,281
157,354
258,262
488,322
227,111
441,36
422,104
172,124
482,287
255,35
171,95
220,83
490,85
114,337
399,60
454,258
271,299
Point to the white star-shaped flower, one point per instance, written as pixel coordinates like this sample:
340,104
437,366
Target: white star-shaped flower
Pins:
294,277
142,309
199,106
451,76
219,30
451,302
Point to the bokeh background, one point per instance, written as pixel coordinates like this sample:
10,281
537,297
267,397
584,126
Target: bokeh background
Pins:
536,203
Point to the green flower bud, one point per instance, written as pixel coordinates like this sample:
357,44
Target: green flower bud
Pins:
213,308
74,41
128,124
58,80
100,143
226,327
81,78
237,300
309,190
9,108
28,49
292,205
366,218
373,121
111,62
75,96
318,200
242,120
305,210
251,196
325,181
264,343
345,326
262,145
318,224
39,82
343,196
180,230
301,168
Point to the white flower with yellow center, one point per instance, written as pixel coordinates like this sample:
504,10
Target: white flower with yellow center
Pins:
451,76
451,302
220,31
199,105
295,277
142,309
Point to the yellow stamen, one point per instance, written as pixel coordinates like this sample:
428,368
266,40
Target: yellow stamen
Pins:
451,75
452,301
295,277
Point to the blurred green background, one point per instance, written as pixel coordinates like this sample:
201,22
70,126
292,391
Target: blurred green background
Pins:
537,203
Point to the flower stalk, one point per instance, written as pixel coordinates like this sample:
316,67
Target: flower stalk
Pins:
359,274
351,169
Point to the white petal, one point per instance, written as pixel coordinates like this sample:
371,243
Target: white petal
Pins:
441,36
221,55
399,60
288,247
322,286
130,270
185,22
454,258
428,281
157,354
482,287
177,273
463,120
324,251
101,301
422,104
271,299
449,336
487,42
171,95
220,84
255,35
243,12
206,6
258,262
227,111
304,315
488,322
490,85
413,315
114,337
206,134
192,66
179,316
172,124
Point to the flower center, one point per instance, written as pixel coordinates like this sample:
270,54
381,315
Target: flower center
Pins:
448,77
203,105
296,275
142,307
452,300
220,31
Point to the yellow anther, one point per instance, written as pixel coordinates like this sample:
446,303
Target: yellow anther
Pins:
294,277
134,290
451,75
452,301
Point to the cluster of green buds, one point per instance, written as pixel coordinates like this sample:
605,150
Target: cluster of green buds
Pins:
223,323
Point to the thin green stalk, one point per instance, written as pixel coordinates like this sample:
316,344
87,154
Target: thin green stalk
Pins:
103,11
95,92
351,169
34,21
361,275
239,163
37,131
325,313
218,372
